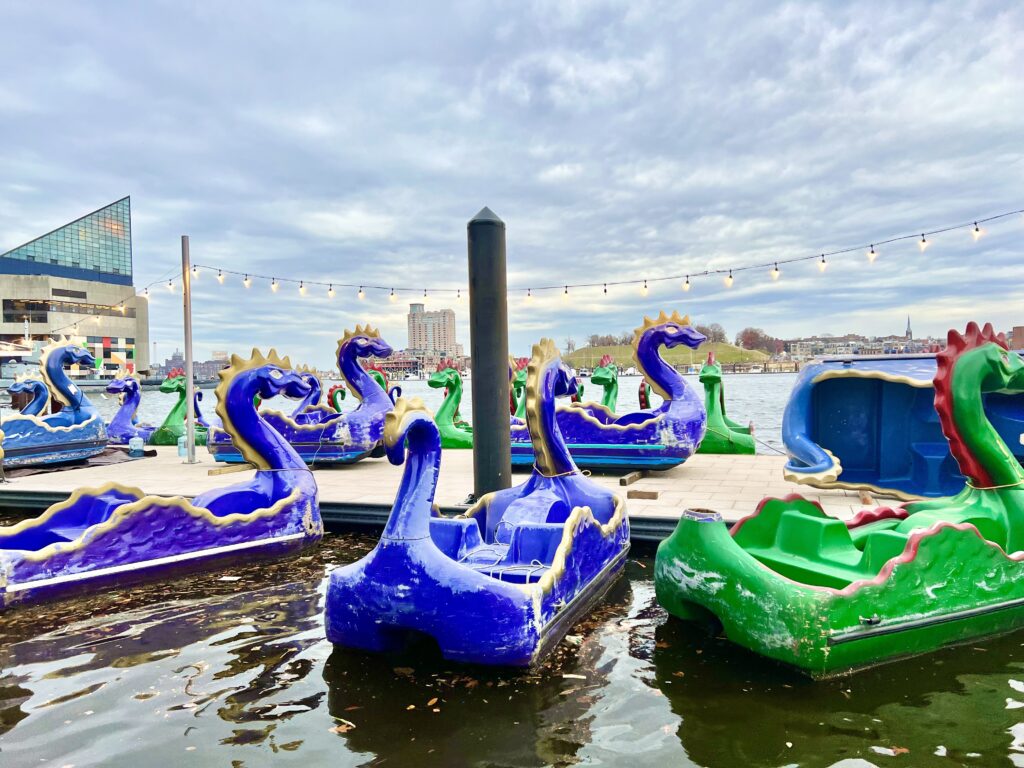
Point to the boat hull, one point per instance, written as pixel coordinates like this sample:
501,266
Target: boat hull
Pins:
42,454
871,424
311,453
914,605
608,457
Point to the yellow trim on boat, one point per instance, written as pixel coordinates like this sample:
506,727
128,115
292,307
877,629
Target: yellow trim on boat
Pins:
853,373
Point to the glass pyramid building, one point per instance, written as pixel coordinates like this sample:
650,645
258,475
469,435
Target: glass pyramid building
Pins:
97,247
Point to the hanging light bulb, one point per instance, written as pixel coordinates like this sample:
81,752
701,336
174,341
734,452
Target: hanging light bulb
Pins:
330,291
976,232
302,288
458,294
606,289
565,293
361,295
121,308
392,296
220,277
686,285
529,294
247,282
145,294
872,254
273,284
424,293
170,286
195,271
922,244
643,290
822,264
775,272
728,280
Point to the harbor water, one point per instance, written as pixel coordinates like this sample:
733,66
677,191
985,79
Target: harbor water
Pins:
231,668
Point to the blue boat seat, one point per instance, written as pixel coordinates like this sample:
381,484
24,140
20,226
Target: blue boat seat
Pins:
928,458
455,536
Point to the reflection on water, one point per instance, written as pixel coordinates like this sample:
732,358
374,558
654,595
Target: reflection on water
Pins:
232,669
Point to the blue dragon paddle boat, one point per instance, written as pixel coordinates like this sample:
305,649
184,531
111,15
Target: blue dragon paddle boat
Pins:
124,426
502,583
74,433
321,434
869,423
35,388
116,534
656,438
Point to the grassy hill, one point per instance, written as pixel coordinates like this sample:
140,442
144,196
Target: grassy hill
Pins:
623,355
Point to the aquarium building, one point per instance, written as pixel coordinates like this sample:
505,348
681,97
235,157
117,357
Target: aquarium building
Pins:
76,281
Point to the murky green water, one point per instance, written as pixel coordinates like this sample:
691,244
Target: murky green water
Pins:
232,669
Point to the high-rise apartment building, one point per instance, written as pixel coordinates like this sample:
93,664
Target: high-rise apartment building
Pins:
432,331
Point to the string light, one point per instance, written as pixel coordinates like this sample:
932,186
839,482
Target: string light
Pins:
728,280
976,232
424,293
220,277
606,289
643,291
529,294
195,271
273,284
458,294
872,254
247,282
565,293
686,285
170,286
121,308
822,264
392,296
302,288
923,244
145,294
775,272
361,295
330,292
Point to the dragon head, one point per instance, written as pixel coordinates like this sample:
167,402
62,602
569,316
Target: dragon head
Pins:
605,373
446,375
665,330
711,371
363,342
175,381
26,382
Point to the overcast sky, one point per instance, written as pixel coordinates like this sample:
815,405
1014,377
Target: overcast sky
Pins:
617,141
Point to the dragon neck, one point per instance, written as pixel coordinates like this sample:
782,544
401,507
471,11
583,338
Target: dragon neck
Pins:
449,409
131,397
550,454
313,397
272,451
665,379
975,444
40,399
362,384
410,515
58,379
519,388
337,398
177,412
611,394
712,396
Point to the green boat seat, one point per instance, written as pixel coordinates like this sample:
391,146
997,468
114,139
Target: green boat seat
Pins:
880,547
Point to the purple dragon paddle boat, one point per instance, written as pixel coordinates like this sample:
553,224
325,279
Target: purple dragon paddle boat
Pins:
319,433
653,438
115,534
74,433
36,389
124,426
502,583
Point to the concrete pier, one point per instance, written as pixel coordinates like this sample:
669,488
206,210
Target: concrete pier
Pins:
362,493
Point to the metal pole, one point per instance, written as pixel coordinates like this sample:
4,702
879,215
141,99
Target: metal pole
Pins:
488,340
190,419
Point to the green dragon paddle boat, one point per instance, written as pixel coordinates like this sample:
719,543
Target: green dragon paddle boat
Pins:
455,432
828,596
724,435
174,424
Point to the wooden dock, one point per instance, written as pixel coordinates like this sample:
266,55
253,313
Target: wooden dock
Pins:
361,494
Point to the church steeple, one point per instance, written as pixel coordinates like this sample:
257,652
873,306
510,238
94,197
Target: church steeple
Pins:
910,333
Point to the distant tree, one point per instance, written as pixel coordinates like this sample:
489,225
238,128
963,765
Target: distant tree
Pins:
626,338
570,345
756,338
594,340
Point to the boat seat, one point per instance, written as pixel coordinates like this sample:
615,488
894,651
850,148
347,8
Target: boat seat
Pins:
539,507
812,537
927,463
535,543
98,511
455,536
880,547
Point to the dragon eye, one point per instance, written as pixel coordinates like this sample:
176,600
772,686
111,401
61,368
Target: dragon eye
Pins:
276,374
671,329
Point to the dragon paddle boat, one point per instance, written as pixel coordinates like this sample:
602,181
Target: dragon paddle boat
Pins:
173,426
455,433
501,583
606,376
868,423
114,534
828,596
656,438
321,434
124,426
32,386
724,435
74,433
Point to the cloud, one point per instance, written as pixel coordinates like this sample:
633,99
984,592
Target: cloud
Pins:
618,140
